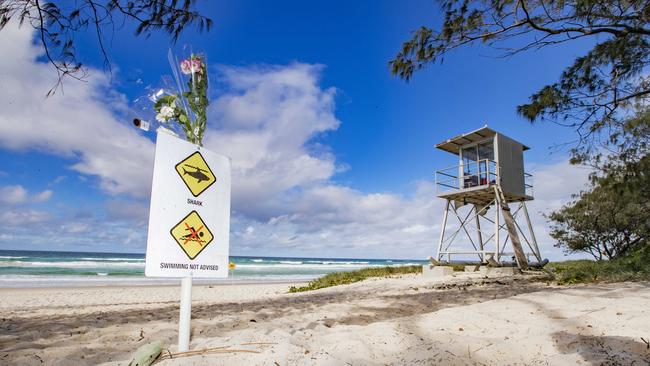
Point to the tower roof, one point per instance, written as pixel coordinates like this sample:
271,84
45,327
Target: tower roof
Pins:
454,144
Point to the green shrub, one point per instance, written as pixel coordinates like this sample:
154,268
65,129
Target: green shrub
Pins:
632,267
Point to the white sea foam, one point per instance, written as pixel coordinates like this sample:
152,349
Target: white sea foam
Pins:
26,281
327,267
112,259
71,264
337,262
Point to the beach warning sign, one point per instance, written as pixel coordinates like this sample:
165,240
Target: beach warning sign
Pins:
189,216
195,173
192,234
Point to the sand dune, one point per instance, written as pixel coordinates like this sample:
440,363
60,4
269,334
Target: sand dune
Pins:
407,320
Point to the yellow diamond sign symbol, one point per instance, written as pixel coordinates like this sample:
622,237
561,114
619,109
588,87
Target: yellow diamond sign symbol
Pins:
196,173
192,234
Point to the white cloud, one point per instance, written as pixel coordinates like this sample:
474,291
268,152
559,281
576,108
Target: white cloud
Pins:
13,194
266,122
76,228
77,122
554,184
58,180
43,196
23,217
415,229
67,231
335,221
17,194
134,212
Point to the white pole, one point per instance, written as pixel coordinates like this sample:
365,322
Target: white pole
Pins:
186,315
532,233
480,236
442,232
497,244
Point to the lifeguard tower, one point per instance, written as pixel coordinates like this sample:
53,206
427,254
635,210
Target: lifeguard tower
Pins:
478,191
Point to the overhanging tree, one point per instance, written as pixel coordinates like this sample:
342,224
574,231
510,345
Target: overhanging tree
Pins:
594,94
612,218
57,23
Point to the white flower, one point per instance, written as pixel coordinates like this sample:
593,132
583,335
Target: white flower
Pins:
166,112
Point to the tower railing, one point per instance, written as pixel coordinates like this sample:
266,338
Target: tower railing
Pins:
528,184
475,174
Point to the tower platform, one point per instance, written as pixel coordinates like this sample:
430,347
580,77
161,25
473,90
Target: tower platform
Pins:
480,195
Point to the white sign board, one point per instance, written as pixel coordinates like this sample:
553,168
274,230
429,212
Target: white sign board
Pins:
189,216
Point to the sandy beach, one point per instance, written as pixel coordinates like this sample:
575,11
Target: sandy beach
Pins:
464,320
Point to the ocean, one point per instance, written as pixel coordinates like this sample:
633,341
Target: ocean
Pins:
19,268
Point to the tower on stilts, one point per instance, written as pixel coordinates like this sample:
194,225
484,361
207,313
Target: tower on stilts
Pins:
485,219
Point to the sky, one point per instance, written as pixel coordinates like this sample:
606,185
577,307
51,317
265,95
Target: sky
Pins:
332,155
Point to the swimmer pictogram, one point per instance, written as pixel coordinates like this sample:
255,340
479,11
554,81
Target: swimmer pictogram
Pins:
192,235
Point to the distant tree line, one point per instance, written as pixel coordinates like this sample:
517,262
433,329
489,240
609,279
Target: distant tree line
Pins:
603,96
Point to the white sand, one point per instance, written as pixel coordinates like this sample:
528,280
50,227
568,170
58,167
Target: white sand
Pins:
395,321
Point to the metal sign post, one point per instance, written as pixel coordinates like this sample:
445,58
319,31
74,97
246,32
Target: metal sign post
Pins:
186,315
189,219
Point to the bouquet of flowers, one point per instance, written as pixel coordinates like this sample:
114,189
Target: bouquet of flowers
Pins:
187,107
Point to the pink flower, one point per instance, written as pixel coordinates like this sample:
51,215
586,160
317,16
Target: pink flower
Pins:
191,66
196,65
186,67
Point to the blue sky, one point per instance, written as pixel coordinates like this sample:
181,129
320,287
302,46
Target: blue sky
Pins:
334,155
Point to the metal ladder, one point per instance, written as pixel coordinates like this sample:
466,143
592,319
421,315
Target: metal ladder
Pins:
520,256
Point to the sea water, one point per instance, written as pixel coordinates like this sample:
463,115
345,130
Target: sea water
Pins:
20,268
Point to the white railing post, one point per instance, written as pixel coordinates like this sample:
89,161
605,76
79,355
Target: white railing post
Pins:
435,178
488,172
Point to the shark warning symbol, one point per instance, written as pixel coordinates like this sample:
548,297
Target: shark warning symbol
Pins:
192,234
195,173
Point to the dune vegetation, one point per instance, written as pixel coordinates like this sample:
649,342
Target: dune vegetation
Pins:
632,267
343,278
